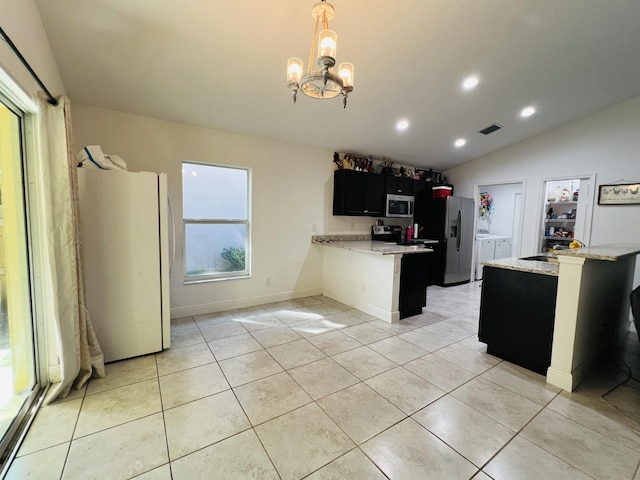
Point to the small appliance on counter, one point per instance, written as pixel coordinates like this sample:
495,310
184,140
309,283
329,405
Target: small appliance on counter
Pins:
398,234
386,233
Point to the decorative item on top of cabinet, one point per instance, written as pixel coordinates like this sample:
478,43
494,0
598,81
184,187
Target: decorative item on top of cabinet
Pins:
385,166
353,162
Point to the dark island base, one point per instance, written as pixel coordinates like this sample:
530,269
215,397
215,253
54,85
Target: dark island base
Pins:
517,314
413,284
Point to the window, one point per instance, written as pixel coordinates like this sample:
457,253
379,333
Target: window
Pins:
216,214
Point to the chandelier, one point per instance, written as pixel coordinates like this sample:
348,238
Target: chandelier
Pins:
322,83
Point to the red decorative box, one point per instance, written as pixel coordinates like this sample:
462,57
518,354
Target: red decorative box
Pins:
441,191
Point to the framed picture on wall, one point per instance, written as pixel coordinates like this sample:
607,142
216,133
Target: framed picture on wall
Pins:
619,194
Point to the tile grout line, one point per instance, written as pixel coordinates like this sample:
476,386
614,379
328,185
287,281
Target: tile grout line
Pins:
164,423
75,426
517,434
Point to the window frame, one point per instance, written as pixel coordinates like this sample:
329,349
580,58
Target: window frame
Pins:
221,276
18,103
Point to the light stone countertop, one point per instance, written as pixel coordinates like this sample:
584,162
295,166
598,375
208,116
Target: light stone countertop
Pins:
369,246
598,252
611,252
530,266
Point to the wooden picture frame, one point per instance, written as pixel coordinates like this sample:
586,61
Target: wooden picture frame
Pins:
619,194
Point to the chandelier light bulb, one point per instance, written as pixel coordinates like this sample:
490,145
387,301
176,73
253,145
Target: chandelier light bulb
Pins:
294,70
327,44
345,70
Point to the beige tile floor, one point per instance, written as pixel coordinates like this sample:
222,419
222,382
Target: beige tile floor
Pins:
310,388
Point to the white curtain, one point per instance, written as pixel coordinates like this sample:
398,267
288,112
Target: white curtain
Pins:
79,353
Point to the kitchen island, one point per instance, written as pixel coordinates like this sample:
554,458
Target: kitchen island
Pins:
386,280
517,312
591,304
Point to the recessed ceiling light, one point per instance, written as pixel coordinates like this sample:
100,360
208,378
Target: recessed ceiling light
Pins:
461,142
470,83
402,125
527,112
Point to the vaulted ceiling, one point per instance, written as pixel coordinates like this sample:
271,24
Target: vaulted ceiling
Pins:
222,65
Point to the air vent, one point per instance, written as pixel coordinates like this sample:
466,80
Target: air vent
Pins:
490,129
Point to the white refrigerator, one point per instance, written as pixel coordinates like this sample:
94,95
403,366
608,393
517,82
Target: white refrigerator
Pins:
125,251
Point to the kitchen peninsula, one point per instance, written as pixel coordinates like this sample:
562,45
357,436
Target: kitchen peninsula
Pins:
383,279
589,307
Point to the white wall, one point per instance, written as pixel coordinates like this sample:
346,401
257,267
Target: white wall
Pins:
290,188
21,22
605,143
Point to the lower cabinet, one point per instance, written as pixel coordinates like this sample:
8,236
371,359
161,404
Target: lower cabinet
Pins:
413,284
517,314
437,263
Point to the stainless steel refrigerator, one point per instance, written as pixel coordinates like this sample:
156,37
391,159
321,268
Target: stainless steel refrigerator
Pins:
450,221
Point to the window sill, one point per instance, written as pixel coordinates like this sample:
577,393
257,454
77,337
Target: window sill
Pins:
209,280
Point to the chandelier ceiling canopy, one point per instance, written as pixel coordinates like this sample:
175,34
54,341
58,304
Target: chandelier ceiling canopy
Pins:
323,82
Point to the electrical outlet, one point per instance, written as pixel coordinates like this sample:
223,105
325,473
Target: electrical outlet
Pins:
268,282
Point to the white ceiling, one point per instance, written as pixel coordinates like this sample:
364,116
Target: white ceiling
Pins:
222,65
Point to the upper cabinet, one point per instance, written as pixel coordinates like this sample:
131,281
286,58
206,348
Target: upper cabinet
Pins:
358,193
363,193
398,185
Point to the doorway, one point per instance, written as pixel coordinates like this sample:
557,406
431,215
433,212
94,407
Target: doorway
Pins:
499,217
567,211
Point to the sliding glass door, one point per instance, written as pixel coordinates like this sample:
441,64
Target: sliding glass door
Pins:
18,373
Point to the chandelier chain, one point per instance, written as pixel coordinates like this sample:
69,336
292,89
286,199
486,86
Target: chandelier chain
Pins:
314,44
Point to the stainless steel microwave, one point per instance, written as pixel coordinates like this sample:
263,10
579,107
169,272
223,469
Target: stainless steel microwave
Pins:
399,206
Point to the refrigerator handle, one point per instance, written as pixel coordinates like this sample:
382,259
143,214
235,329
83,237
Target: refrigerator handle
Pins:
173,236
459,240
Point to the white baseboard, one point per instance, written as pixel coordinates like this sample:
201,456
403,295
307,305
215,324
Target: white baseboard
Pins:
560,379
223,305
387,316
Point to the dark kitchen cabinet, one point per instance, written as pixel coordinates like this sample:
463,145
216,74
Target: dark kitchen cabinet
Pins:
424,204
517,314
413,284
421,191
437,264
358,193
398,185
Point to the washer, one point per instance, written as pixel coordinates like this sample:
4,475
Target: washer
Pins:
490,247
486,249
503,247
